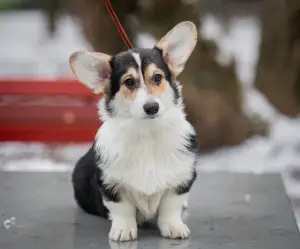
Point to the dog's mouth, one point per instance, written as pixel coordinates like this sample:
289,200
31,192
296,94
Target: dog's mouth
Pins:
151,116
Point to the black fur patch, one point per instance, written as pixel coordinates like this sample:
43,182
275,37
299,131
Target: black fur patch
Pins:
186,187
191,144
119,64
108,107
108,193
89,191
85,185
177,93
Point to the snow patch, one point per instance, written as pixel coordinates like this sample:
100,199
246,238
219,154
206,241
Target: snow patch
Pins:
36,165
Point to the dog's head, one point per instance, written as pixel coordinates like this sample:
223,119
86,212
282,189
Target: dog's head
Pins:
138,83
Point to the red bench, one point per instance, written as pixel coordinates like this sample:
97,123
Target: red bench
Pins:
47,111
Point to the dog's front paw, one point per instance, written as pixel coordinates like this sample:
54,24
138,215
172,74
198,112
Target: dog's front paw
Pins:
174,229
123,230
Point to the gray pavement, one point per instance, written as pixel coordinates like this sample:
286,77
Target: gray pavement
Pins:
240,211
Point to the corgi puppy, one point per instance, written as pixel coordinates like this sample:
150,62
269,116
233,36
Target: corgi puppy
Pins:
142,163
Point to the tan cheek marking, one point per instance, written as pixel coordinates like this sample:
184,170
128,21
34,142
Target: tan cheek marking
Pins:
157,90
127,94
151,86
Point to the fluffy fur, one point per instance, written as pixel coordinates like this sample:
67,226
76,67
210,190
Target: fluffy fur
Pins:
141,166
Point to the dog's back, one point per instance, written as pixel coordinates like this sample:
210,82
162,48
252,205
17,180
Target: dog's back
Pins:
84,182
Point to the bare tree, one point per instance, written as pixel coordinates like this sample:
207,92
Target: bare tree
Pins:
278,70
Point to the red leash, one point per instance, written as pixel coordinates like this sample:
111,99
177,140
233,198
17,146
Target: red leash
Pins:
118,24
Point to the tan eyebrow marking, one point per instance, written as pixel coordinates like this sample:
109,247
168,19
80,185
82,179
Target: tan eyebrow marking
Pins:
131,72
152,88
127,94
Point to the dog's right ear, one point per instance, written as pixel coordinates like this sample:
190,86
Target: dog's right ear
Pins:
92,69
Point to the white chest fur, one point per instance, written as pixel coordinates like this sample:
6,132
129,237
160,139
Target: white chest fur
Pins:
146,205
146,156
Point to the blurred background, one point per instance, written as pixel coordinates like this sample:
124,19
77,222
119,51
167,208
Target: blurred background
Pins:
241,85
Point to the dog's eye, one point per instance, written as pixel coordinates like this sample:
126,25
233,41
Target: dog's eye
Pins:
157,78
129,83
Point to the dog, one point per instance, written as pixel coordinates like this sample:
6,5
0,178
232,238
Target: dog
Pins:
141,165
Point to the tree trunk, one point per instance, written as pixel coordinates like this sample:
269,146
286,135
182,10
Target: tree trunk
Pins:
278,70
51,9
99,29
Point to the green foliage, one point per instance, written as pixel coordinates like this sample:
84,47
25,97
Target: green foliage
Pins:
9,4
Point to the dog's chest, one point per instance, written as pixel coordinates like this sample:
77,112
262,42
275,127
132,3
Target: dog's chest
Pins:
149,169
147,206
145,163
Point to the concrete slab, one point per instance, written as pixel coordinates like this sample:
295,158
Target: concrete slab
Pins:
226,211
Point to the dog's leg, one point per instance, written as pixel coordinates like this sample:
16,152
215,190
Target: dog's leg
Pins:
185,205
123,217
169,216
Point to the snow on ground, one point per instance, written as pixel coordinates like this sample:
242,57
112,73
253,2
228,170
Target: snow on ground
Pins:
26,50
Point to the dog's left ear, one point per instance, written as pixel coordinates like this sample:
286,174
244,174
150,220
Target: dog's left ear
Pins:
177,45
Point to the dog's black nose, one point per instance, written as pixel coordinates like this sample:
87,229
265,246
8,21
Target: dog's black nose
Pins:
151,108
